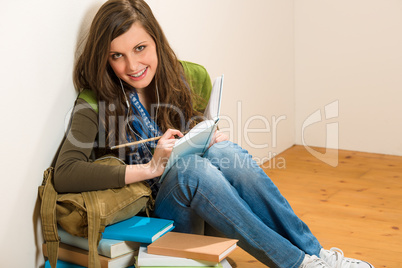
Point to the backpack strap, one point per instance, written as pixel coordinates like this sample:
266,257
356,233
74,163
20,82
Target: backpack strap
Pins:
48,216
48,208
94,227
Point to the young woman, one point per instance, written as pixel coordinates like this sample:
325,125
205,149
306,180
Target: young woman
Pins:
144,91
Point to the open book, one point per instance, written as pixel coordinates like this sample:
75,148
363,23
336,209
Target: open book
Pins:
197,140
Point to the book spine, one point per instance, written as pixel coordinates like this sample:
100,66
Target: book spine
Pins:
173,263
78,256
107,247
63,264
124,237
104,247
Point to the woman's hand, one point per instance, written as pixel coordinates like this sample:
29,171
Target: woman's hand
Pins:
156,166
218,137
163,150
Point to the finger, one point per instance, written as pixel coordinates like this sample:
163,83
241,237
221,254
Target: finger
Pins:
168,143
166,147
172,141
171,133
221,137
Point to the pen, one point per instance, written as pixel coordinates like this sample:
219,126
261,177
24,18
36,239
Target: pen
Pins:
135,142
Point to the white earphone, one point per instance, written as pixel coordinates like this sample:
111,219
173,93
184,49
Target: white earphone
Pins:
157,96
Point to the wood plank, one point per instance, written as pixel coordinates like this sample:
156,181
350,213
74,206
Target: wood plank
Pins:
241,259
355,206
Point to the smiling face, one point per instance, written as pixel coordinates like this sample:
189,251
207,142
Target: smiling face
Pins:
133,57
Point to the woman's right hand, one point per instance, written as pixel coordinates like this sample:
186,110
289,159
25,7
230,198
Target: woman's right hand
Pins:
156,166
163,150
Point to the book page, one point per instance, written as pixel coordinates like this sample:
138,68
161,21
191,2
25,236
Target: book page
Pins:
191,136
196,141
213,108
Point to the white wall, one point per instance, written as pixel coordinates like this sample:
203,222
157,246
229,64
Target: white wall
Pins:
38,40
252,43
350,52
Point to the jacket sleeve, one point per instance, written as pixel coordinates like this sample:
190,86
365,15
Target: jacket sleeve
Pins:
74,170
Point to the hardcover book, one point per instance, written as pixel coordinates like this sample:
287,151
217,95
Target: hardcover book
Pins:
107,247
79,256
138,229
145,259
64,264
198,247
224,264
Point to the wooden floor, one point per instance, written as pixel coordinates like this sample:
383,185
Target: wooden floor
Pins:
356,206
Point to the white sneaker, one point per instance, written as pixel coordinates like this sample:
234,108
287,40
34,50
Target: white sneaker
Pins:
313,262
335,259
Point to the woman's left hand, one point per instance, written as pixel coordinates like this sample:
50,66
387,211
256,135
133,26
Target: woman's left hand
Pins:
218,137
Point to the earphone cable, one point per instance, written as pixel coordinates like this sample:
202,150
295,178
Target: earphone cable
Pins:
128,112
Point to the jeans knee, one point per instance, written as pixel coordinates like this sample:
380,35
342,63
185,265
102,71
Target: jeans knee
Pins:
190,169
227,154
225,149
192,174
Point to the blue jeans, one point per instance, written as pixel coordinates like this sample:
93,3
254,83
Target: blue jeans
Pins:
228,190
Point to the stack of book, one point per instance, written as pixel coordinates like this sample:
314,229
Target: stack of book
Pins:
114,250
147,243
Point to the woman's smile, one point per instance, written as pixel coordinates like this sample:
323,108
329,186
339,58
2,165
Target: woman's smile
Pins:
139,75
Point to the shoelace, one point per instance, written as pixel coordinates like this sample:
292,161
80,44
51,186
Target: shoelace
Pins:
336,259
314,261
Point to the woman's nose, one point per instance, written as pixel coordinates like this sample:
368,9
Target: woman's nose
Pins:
131,63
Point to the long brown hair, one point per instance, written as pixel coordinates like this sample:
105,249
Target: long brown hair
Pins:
92,70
